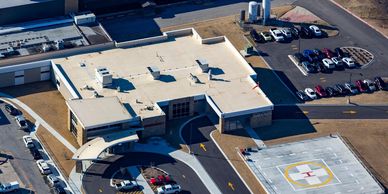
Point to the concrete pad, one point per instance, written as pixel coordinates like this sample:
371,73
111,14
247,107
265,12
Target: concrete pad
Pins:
321,165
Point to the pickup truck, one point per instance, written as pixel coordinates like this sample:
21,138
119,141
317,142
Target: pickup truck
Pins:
126,185
167,189
8,187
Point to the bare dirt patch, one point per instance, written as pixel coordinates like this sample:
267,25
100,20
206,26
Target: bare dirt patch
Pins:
369,138
47,102
230,144
375,12
59,153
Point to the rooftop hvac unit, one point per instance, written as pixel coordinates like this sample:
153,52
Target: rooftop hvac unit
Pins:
203,65
104,77
59,44
84,18
155,72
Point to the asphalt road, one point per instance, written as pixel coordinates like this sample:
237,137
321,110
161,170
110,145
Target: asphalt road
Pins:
11,143
330,112
97,178
352,33
198,132
123,27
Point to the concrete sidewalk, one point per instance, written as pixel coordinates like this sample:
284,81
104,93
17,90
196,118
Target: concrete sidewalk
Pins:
134,171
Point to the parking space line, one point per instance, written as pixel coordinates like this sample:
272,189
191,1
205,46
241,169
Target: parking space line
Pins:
296,64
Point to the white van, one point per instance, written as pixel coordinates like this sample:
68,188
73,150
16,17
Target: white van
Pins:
43,167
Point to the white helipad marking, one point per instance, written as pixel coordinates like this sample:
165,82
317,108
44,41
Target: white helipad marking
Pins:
293,154
309,175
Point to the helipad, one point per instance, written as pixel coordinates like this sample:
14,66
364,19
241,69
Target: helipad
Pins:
321,165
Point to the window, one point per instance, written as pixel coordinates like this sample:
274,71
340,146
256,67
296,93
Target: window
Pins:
181,109
73,118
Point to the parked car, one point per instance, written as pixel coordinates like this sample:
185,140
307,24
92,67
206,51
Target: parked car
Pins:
380,83
167,189
309,55
328,63
349,62
320,91
337,62
286,32
338,51
35,153
266,36
9,187
319,55
329,54
294,32
12,110
160,180
308,67
341,89
322,68
276,34
331,91
58,189
305,32
255,36
302,96
28,141
52,180
361,86
310,93
370,85
126,185
351,88
315,30
299,57
43,167
22,122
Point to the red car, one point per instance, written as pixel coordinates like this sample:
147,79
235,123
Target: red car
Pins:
160,180
361,86
329,54
320,91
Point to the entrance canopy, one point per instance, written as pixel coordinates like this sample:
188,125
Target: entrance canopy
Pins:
92,149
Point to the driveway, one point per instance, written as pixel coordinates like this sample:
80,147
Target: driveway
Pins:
197,132
101,172
19,156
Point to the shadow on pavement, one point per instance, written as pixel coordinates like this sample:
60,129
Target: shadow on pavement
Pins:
27,89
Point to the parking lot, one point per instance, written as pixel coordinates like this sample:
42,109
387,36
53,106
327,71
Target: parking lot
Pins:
276,54
12,145
14,151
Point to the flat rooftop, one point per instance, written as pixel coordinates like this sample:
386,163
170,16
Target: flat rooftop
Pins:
96,112
13,3
230,89
322,165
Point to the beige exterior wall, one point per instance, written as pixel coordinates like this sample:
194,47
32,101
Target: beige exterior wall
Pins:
81,135
32,75
7,79
261,119
154,126
177,101
61,87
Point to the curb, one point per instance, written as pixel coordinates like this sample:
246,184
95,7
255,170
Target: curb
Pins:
363,21
292,58
230,163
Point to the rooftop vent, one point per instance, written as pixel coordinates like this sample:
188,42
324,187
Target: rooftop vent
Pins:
203,65
59,44
193,79
155,72
104,77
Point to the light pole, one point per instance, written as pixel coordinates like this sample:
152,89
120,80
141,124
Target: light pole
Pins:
350,82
